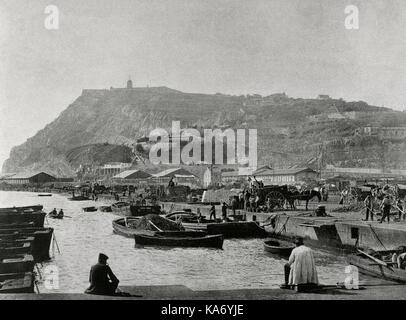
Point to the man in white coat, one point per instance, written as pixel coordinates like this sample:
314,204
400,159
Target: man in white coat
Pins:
301,268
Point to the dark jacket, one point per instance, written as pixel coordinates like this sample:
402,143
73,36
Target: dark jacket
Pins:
102,280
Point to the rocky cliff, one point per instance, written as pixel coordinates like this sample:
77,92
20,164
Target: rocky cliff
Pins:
290,131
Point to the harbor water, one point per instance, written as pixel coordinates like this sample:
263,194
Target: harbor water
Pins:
82,235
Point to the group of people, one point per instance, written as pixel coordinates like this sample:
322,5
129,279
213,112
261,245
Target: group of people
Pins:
386,205
56,214
212,212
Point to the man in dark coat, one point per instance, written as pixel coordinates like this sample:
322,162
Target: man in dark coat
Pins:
102,279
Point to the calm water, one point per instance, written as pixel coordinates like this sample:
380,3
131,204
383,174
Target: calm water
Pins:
241,263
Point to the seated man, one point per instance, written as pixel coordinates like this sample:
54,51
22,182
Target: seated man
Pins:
60,214
53,212
102,279
301,268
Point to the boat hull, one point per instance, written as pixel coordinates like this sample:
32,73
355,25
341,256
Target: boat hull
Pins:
21,209
42,238
366,266
12,248
17,264
17,282
236,229
36,218
120,228
278,247
210,241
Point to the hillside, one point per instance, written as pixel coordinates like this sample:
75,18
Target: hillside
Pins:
98,125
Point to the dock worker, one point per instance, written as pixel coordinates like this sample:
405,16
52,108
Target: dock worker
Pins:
213,213
301,268
368,207
385,206
102,279
171,183
399,206
224,212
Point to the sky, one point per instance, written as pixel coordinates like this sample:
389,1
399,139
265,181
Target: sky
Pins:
300,47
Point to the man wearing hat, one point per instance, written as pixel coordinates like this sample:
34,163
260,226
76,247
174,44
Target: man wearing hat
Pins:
102,279
301,268
386,206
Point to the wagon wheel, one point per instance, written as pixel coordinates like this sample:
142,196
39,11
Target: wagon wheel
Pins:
277,199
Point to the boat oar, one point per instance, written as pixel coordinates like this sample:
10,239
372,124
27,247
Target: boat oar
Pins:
378,261
152,224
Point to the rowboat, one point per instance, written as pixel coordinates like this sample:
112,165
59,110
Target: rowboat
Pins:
18,263
379,268
36,217
45,195
283,248
240,229
89,209
22,209
188,240
41,242
12,248
79,198
17,282
121,208
138,211
105,209
123,227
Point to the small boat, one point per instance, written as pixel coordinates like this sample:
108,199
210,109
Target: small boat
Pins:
19,263
377,267
22,209
41,240
105,208
45,195
239,229
23,217
55,216
121,208
123,227
79,198
17,282
283,248
89,209
143,210
179,240
12,248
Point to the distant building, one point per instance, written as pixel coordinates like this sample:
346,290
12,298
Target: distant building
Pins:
240,175
180,177
211,176
286,176
113,168
323,97
132,176
29,178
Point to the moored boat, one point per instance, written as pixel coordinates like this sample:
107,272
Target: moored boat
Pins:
79,198
35,217
12,248
17,282
188,240
280,247
123,226
121,208
105,208
18,263
89,209
379,268
41,242
22,209
143,210
45,195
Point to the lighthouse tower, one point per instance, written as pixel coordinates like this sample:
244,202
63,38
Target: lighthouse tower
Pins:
129,84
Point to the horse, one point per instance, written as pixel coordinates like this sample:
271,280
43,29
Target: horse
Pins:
305,195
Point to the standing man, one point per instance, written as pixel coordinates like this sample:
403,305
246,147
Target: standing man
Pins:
399,206
224,212
301,268
368,207
102,279
385,206
213,213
